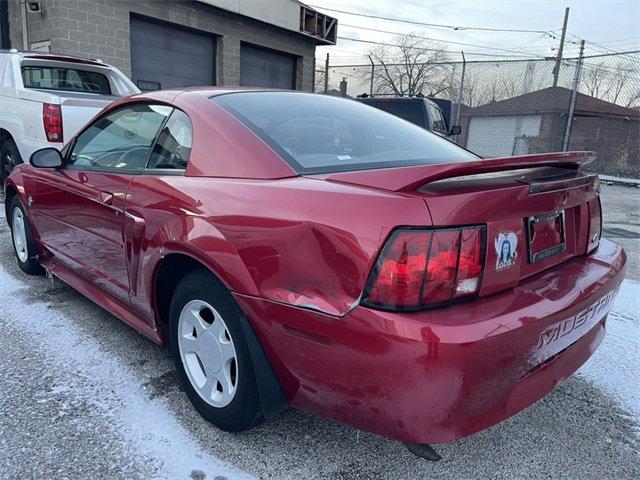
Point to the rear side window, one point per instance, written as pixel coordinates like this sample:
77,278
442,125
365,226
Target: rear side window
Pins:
318,133
67,79
173,147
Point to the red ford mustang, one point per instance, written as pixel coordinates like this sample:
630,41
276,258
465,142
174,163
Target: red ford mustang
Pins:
296,249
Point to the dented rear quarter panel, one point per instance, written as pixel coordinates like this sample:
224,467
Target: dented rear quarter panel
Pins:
297,241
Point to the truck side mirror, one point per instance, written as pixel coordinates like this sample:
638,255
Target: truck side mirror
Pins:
455,130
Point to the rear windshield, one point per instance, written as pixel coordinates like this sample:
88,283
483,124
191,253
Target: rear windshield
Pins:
317,134
68,79
409,110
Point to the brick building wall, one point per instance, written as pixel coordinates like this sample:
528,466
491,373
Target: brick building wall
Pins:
100,29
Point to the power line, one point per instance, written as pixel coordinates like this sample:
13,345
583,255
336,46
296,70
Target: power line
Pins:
622,41
614,54
358,40
537,60
439,40
436,25
530,42
603,48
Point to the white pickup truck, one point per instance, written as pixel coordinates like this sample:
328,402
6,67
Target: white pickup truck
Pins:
46,98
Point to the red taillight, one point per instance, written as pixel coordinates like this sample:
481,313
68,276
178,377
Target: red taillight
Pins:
52,119
595,224
418,268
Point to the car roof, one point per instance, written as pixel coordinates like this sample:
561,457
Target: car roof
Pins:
239,152
217,91
207,91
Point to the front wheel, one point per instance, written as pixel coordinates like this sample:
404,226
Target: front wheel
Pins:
211,354
23,245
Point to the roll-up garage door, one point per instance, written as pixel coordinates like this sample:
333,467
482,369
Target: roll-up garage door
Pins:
265,68
163,56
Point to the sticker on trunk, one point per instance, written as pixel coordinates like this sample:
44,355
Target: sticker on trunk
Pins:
506,245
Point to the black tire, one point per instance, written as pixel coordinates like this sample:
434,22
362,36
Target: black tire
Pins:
244,411
9,158
30,265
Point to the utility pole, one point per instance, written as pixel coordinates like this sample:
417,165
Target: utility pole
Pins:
326,74
556,69
574,96
461,93
373,72
25,27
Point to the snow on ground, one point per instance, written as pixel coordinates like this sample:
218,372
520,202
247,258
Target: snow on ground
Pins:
615,367
147,425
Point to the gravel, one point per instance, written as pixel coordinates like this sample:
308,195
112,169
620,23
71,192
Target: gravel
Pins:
84,396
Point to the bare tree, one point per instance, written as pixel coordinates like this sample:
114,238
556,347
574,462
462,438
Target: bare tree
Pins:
318,81
614,83
482,87
410,66
633,100
595,80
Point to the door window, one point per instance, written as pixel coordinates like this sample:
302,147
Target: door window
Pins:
173,147
121,140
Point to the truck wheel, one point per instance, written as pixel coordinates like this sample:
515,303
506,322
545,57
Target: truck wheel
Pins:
9,158
211,354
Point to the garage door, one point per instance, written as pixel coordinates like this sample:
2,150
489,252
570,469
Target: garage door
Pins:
266,68
165,57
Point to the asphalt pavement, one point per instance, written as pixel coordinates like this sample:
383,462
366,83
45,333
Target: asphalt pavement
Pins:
83,396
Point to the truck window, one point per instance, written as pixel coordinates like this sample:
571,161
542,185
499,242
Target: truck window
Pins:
439,123
408,110
67,79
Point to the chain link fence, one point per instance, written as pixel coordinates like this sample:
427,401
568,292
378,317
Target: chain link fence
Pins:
516,107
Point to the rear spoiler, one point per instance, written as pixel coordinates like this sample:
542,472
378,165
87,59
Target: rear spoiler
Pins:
410,178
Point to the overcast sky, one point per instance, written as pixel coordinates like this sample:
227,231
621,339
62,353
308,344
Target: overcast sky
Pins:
615,25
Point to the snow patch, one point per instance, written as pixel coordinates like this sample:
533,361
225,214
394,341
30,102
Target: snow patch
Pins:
615,367
148,426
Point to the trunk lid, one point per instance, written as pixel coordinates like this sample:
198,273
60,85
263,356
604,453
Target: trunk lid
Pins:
535,207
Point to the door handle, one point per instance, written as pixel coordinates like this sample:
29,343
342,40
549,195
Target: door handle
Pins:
106,198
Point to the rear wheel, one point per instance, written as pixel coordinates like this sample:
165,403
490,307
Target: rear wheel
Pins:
211,355
9,158
23,244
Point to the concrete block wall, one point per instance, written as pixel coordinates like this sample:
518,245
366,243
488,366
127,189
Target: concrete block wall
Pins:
100,29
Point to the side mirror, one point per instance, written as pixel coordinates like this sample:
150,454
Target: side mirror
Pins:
455,130
46,158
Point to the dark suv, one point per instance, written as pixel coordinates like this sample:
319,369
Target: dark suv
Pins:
418,110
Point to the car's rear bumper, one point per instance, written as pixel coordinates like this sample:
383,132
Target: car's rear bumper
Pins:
439,375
